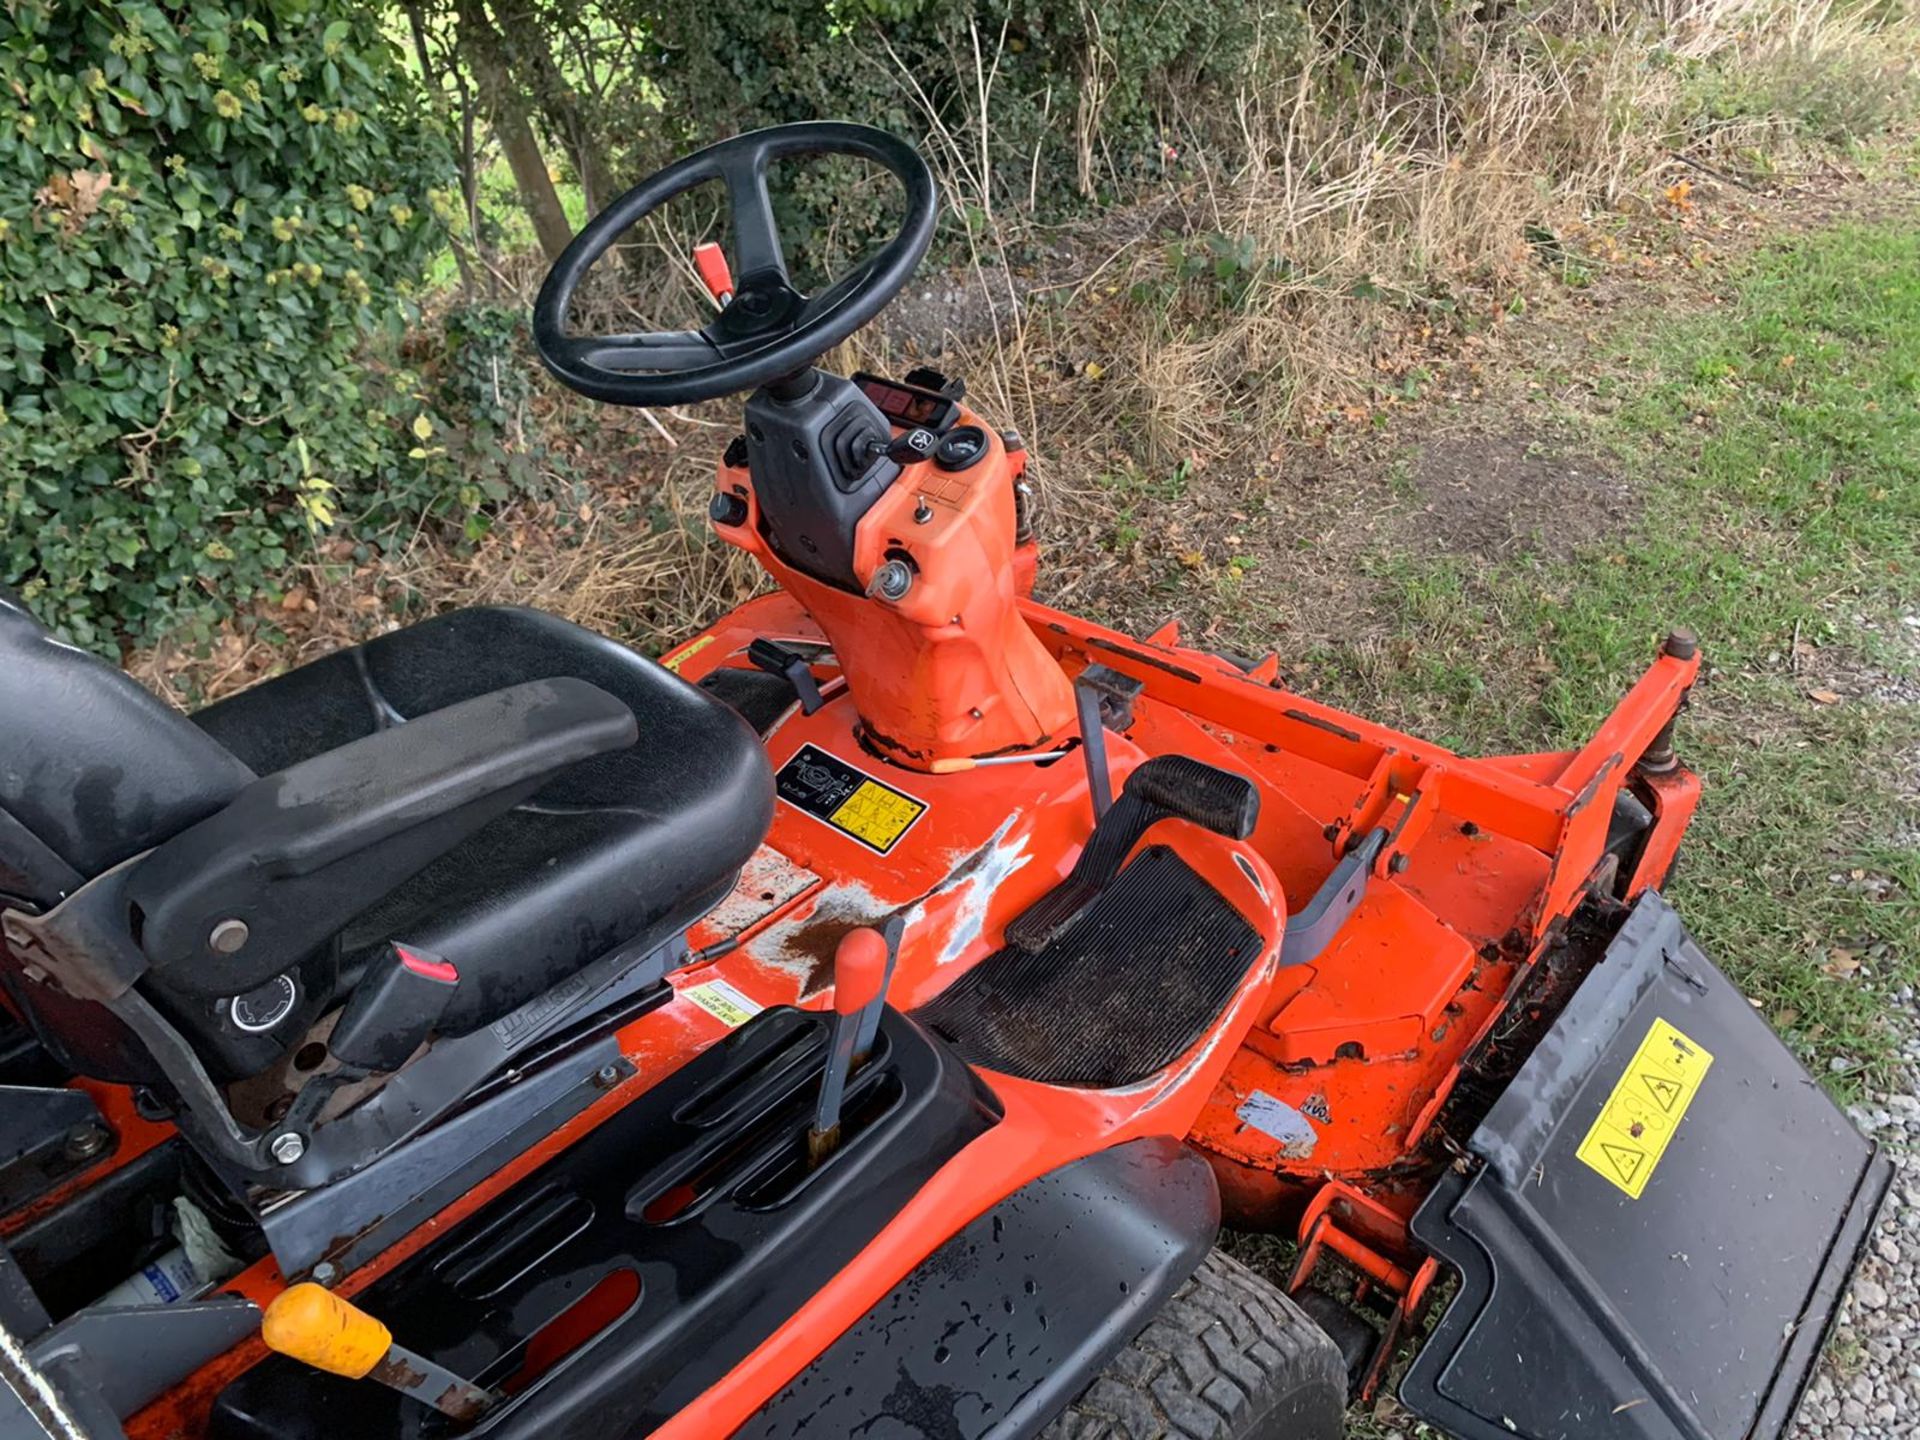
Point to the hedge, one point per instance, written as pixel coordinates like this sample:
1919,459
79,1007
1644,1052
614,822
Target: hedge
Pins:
208,211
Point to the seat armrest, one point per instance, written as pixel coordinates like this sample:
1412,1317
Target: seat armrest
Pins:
297,854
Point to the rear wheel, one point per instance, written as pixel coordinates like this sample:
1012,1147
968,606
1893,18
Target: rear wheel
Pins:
1229,1357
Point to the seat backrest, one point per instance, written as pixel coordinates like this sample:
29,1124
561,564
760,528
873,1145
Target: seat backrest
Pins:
92,766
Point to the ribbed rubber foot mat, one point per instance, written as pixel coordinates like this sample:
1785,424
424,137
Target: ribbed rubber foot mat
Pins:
1114,997
1167,785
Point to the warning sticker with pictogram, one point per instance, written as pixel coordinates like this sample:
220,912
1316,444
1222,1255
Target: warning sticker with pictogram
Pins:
850,800
1639,1118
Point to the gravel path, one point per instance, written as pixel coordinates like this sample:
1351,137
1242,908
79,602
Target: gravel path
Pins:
1869,1385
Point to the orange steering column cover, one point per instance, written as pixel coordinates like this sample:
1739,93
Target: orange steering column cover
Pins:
951,669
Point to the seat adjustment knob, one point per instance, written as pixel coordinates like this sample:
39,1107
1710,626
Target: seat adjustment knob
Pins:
311,1324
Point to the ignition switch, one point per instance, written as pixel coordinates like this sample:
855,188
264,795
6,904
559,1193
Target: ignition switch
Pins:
904,449
892,580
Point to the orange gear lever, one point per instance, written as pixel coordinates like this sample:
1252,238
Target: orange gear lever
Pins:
860,966
309,1323
859,969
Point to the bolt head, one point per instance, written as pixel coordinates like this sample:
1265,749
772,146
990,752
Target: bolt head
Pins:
86,1141
287,1147
325,1273
227,937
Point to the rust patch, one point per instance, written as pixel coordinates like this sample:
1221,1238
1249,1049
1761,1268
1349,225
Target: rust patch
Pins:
814,942
461,1403
1592,787
398,1373
883,745
768,883
1321,723
1142,657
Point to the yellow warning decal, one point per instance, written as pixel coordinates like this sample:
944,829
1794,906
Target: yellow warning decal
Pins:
686,652
1631,1132
850,800
877,815
724,1002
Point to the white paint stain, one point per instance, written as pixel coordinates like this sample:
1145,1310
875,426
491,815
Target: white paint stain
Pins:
1001,860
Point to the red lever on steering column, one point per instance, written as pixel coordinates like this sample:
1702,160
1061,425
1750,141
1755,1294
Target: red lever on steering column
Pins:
711,261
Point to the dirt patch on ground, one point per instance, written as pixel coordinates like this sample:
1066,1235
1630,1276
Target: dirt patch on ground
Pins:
1867,661
1492,493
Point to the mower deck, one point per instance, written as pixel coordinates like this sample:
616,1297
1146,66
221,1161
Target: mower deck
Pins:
1488,860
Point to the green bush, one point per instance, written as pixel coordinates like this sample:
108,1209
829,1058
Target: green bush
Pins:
208,208
1127,77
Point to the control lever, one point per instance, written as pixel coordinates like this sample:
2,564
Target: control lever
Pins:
891,932
789,665
1102,696
860,966
711,262
959,764
309,1323
393,1009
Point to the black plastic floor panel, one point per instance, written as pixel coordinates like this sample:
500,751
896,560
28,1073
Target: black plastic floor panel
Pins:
1117,995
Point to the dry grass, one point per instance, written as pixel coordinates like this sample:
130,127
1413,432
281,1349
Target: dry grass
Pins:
1376,196
647,575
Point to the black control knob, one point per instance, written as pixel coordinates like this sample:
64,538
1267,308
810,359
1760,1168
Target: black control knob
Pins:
727,509
960,447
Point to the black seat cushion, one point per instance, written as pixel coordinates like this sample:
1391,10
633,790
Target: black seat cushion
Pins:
625,849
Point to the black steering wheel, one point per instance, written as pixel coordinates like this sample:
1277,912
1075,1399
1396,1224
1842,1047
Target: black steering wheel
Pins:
769,329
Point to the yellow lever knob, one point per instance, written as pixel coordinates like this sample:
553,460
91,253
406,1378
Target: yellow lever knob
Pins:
309,1322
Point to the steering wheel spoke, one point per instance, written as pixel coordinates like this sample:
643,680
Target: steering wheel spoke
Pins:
820,306
756,234
649,352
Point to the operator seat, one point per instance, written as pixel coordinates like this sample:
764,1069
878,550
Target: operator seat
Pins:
623,849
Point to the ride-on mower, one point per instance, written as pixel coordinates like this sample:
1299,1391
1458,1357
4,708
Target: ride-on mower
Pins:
862,1022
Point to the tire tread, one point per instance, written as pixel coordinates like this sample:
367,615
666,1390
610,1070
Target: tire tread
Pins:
1229,1357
